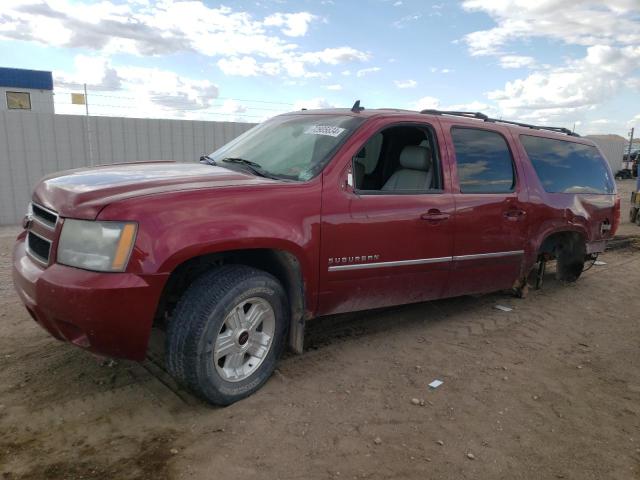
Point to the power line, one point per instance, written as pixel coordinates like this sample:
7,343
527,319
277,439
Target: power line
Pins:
165,109
124,97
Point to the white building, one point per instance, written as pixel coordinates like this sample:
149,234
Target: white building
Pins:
26,90
613,147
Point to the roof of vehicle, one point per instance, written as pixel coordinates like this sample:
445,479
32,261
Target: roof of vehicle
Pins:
471,118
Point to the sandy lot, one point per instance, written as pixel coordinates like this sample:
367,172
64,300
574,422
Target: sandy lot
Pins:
548,390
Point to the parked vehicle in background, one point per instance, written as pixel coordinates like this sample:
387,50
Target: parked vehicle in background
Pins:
634,209
629,166
311,213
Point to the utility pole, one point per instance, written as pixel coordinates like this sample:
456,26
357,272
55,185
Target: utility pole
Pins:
86,100
630,142
86,107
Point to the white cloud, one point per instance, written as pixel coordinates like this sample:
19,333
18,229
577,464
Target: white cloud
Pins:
153,91
580,84
232,110
405,83
404,21
440,70
579,22
232,106
565,93
294,24
95,72
427,103
633,83
516,61
334,87
250,45
367,71
312,104
247,67
398,3
335,56
432,103
474,106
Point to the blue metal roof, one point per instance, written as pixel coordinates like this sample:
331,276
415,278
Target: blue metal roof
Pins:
20,78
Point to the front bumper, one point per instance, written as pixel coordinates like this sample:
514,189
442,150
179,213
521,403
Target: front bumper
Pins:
109,314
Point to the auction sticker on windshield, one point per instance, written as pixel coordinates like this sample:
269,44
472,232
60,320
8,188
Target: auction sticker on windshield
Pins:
324,130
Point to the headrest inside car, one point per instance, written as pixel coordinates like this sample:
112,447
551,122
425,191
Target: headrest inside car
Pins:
415,157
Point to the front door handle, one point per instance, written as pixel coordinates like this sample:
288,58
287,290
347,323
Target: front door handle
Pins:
514,214
434,215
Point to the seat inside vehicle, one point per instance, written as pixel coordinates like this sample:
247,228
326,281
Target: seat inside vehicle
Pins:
415,172
398,159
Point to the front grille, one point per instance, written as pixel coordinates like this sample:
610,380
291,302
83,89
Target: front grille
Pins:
44,216
38,247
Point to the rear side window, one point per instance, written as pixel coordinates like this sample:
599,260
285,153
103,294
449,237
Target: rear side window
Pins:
567,167
484,161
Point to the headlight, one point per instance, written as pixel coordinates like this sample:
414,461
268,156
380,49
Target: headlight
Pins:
100,246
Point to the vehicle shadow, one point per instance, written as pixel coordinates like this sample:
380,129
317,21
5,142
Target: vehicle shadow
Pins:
324,331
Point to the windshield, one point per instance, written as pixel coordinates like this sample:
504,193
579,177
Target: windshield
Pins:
293,147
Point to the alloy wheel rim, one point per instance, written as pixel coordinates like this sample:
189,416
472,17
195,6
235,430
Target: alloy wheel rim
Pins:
244,339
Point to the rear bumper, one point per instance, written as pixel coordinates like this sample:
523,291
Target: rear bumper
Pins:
109,314
596,247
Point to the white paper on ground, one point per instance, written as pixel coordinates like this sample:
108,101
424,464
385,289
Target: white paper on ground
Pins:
599,262
502,308
436,383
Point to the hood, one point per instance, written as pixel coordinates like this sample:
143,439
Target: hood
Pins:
83,192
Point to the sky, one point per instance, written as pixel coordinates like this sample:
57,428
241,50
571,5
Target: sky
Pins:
571,63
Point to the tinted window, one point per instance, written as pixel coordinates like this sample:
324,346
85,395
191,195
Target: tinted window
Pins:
484,161
567,167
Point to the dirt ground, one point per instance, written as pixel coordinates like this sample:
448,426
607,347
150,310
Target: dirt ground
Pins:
550,390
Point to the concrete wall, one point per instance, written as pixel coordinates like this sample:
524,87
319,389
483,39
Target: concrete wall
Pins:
41,100
35,144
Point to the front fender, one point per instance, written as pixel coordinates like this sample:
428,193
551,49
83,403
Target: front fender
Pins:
178,226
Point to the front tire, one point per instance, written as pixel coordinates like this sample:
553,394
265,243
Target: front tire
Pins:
227,332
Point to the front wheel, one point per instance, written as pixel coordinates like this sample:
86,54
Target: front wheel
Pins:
227,332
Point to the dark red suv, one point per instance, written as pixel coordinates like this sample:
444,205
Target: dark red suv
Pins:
310,213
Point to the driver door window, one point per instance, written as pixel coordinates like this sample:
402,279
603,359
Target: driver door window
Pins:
401,159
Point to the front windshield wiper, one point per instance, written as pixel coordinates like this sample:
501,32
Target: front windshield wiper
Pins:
208,160
253,167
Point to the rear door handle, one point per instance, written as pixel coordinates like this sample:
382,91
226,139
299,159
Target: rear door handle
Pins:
514,215
434,215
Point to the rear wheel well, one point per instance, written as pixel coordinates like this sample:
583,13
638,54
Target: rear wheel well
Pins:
281,264
553,242
569,250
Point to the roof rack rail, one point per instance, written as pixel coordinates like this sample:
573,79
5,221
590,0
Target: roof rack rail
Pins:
485,118
478,115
